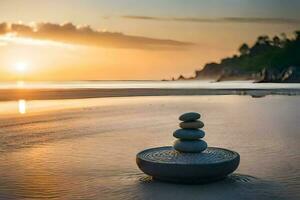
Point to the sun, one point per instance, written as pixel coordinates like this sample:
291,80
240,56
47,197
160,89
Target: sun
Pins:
21,66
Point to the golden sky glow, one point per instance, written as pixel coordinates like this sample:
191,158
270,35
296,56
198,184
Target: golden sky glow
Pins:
122,43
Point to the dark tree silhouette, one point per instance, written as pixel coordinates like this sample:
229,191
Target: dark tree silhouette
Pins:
244,49
276,41
297,33
261,40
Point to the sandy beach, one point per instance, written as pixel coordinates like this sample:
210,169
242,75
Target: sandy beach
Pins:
13,91
46,94
85,148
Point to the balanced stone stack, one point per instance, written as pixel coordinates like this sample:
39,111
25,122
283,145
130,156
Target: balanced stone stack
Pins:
189,136
189,160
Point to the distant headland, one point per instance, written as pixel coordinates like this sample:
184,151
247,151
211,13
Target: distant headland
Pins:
275,60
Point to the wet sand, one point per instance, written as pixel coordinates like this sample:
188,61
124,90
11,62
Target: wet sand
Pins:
46,94
85,148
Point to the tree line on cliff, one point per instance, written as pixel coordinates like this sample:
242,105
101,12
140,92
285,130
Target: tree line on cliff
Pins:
274,59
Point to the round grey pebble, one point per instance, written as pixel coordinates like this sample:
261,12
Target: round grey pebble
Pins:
192,125
190,146
190,116
189,134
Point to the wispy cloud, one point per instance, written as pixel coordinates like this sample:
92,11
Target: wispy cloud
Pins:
145,17
218,20
85,35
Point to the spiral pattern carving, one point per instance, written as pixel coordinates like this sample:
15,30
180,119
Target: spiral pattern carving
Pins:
169,155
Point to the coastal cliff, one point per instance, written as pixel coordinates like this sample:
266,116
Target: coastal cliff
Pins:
268,60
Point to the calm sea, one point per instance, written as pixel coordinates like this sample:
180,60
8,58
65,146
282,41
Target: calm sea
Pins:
147,84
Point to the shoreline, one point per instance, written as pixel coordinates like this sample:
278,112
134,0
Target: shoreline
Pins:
56,94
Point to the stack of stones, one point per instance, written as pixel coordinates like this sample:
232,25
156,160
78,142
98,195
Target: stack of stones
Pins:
189,136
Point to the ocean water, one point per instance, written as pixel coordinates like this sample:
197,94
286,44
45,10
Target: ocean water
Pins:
148,84
85,149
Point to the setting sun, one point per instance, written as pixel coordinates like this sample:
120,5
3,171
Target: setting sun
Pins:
21,66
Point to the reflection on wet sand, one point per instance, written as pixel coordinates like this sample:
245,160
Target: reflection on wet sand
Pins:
22,106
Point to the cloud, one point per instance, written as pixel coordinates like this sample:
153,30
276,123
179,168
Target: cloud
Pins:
144,17
218,20
85,35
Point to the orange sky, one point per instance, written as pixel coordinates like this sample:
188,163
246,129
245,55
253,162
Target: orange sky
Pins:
122,43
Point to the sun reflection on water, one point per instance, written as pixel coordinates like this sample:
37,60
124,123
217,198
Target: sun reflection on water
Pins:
20,84
22,106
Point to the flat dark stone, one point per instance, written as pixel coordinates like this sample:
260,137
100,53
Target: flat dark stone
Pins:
190,146
189,134
167,164
192,125
190,116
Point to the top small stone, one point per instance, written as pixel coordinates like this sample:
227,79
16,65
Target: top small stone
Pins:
190,116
